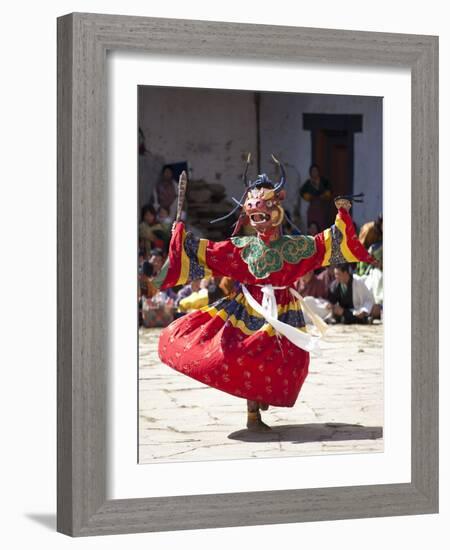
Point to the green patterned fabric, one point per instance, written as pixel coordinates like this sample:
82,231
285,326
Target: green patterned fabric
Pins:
263,259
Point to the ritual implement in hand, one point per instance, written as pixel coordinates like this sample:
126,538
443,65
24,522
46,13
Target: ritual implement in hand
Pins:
182,185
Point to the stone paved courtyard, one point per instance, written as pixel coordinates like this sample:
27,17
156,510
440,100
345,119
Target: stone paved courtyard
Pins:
339,410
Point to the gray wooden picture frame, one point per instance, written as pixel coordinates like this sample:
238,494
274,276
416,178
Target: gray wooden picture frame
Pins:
83,41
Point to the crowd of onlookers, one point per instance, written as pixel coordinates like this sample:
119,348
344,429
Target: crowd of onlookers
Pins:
340,294
157,308
349,293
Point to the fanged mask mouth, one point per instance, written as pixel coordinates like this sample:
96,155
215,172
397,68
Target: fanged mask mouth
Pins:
259,217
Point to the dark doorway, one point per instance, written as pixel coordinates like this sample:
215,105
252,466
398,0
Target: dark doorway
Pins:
332,150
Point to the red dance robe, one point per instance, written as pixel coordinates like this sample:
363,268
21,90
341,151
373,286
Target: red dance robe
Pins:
228,345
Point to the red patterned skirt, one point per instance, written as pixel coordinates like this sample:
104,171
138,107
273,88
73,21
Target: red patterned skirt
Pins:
228,346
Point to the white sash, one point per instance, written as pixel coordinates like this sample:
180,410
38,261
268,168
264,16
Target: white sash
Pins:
269,310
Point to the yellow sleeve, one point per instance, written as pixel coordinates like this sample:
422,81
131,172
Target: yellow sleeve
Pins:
340,243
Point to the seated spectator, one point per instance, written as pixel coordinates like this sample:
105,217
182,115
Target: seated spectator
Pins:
146,273
156,260
372,275
196,300
157,311
313,228
315,293
141,285
200,294
142,257
327,276
187,290
350,299
311,285
215,288
164,218
152,233
156,307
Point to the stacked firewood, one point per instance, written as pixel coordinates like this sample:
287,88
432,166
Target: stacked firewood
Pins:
205,202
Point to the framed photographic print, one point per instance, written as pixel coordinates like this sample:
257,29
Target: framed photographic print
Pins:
247,274
200,126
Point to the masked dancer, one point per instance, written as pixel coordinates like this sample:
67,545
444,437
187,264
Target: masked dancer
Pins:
253,343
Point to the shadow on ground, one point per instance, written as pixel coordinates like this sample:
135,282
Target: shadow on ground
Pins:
308,433
47,520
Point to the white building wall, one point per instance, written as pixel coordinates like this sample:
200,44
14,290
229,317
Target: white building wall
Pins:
211,130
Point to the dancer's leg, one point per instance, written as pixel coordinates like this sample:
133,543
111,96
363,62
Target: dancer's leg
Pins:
254,422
